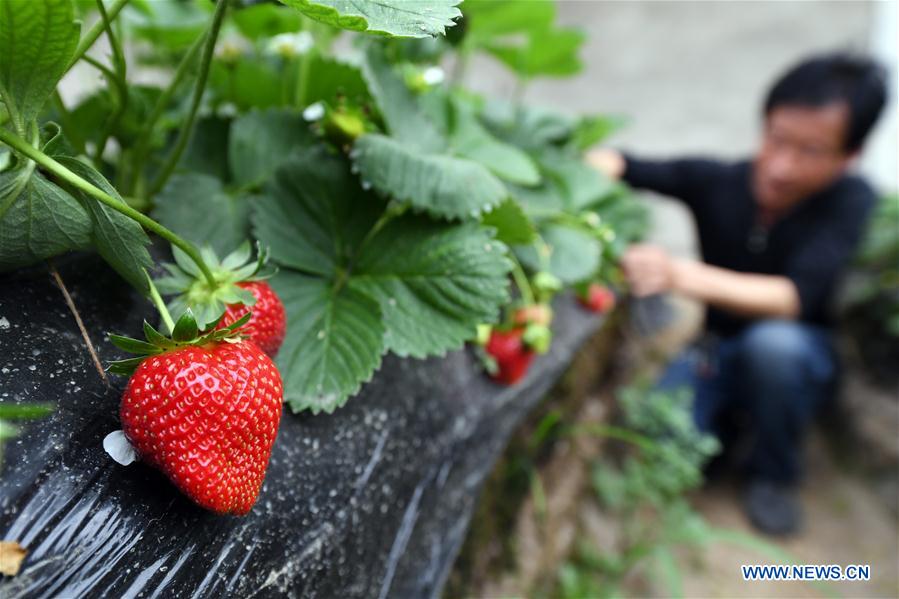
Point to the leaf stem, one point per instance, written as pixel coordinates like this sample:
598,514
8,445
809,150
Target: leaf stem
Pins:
146,132
20,145
521,280
66,117
160,305
94,32
188,127
120,82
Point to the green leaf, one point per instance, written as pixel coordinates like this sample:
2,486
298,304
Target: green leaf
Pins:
207,152
580,184
334,344
441,185
250,83
575,254
266,20
331,80
198,208
401,18
552,53
513,227
314,214
120,240
405,119
435,282
262,140
25,411
471,140
169,25
38,220
37,40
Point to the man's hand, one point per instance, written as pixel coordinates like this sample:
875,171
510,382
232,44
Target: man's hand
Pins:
607,161
648,269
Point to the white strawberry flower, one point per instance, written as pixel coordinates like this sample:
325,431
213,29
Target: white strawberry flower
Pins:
433,75
288,45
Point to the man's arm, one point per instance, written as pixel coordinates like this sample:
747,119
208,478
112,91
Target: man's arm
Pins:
650,270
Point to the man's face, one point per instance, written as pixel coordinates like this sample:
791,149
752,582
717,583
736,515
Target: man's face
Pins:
801,153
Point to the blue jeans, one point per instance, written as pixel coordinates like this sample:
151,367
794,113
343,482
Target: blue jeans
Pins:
777,373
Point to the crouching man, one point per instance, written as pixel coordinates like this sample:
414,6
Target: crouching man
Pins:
775,230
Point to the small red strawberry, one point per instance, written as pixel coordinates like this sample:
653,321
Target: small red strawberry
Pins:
512,356
203,409
268,323
240,288
599,298
539,314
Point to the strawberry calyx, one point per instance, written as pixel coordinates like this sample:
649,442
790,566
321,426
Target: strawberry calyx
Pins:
186,333
192,290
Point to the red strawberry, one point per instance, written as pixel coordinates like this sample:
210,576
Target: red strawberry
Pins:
204,410
513,358
267,324
540,314
599,298
240,288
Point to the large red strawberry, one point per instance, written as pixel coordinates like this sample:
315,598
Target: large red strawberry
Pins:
598,298
203,409
512,355
240,288
268,322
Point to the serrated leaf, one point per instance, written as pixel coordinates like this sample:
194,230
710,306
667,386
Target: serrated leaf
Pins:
575,254
37,40
513,227
443,186
198,208
38,219
120,240
551,53
335,343
451,277
314,214
580,184
261,140
471,140
405,119
402,18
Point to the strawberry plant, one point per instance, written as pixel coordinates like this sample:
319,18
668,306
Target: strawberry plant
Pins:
397,210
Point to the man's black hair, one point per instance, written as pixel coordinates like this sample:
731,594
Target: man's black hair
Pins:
821,80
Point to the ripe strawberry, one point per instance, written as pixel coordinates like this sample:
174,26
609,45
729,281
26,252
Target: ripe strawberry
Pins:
268,322
512,356
204,410
240,289
539,314
599,298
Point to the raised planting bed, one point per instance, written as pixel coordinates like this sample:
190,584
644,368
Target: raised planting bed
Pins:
371,501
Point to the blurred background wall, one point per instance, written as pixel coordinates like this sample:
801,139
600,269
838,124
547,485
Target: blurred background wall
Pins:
692,76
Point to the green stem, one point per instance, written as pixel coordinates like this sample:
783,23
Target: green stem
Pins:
120,82
160,305
146,132
67,124
23,147
122,93
94,32
187,130
303,79
521,280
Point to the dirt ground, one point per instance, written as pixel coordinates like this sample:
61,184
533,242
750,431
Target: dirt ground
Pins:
846,522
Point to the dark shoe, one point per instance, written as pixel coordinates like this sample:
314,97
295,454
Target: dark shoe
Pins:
772,508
